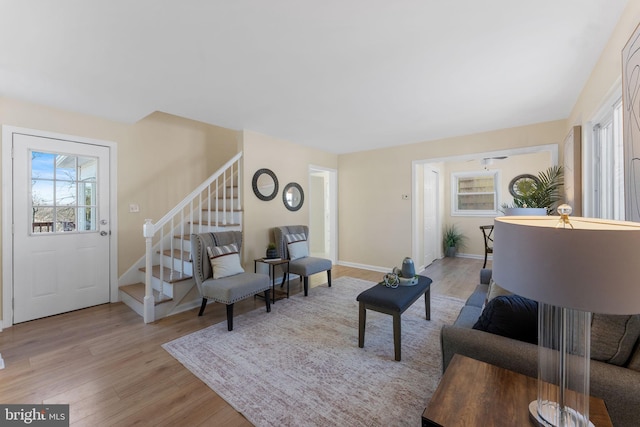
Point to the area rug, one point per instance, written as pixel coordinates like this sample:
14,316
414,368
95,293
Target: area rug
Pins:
300,365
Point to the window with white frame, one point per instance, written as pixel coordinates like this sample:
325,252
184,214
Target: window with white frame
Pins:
607,198
474,193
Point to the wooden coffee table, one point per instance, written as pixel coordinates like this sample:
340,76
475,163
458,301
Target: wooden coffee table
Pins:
474,393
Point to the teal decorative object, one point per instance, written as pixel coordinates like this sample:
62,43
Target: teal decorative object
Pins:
408,269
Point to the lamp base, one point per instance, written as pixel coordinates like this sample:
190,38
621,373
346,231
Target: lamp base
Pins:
549,411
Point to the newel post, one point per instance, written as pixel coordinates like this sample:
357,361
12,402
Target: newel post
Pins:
149,304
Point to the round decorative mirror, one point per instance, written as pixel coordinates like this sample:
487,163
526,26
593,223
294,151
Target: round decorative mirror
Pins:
523,184
265,184
293,196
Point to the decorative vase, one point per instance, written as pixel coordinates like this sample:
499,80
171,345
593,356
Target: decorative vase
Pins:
408,269
451,251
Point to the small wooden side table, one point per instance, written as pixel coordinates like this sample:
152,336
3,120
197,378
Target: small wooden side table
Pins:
474,393
272,273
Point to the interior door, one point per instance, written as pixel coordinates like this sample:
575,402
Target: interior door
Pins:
61,233
430,215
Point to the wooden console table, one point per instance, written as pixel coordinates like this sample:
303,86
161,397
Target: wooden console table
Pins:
474,393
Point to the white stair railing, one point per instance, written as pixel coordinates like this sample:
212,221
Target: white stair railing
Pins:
218,196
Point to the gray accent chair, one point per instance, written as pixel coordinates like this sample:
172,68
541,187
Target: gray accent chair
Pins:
303,267
226,290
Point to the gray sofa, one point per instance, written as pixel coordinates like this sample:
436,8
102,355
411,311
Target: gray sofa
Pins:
618,386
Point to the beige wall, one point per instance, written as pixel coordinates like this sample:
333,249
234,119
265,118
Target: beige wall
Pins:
290,162
374,221
160,160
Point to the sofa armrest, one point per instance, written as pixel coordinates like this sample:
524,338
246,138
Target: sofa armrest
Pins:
620,389
485,276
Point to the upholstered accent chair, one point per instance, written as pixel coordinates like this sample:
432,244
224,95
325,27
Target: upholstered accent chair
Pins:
293,244
219,275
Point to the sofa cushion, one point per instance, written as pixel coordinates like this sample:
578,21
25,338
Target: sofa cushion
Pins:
613,337
468,316
511,316
478,297
634,361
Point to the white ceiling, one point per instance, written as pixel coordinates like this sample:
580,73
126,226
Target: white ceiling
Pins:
340,75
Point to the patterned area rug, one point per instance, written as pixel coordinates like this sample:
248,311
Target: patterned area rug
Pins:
300,365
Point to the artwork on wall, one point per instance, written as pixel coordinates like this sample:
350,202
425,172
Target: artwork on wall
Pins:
573,170
631,123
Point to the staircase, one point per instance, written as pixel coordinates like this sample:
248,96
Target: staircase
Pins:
160,283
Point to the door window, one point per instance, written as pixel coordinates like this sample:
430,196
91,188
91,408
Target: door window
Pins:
63,193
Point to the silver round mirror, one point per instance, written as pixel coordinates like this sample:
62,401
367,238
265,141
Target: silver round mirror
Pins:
265,184
293,196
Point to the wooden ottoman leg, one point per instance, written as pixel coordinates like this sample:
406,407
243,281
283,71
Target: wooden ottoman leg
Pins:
397,336
361,323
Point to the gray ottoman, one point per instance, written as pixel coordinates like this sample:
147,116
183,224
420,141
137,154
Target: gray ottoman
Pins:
393,301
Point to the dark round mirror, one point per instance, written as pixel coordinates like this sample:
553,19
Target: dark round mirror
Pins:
523,185
293,196
265,184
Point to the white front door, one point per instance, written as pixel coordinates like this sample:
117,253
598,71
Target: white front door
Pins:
61,226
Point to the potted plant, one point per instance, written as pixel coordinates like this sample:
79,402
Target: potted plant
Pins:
452,240
541,192
272,252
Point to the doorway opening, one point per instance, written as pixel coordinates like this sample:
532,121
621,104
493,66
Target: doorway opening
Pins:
431,201
323,212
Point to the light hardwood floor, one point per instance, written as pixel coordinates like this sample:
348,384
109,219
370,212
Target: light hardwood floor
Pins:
109,366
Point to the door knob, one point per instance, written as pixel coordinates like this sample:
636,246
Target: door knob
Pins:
103,233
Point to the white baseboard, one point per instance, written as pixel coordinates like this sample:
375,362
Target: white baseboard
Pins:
418,268
365,266
473,256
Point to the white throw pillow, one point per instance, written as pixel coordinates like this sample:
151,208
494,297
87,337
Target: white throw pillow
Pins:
225,261
496,290
297,246
298,250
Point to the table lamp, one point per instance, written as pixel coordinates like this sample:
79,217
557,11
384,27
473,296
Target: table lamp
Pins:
571,267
